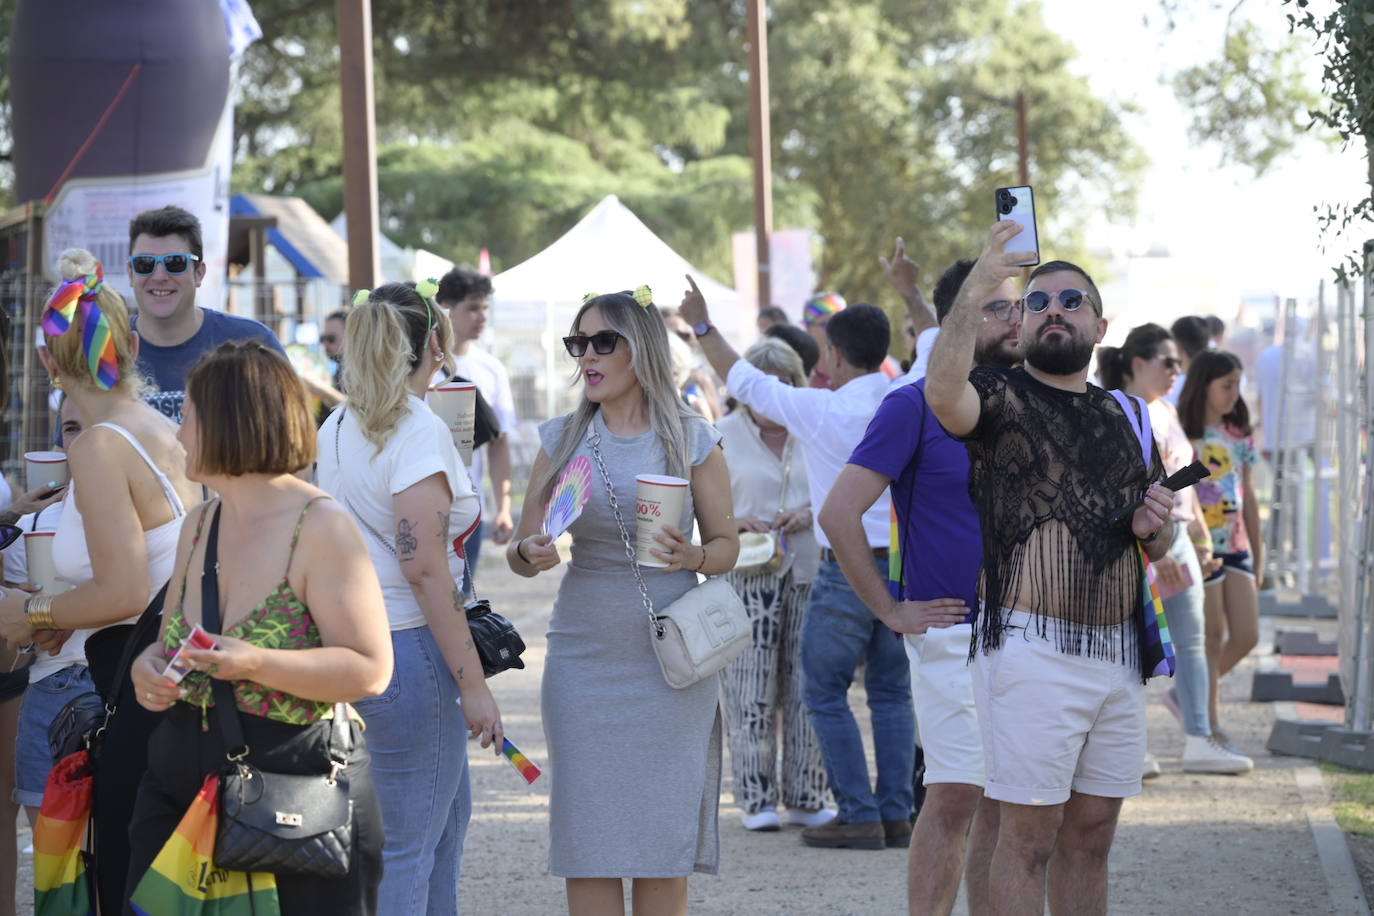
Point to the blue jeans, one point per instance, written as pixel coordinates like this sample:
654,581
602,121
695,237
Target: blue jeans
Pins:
1184,614
418,740
840,632
473,548
42,702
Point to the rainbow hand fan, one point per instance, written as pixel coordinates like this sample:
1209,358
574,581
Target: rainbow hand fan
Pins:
570,494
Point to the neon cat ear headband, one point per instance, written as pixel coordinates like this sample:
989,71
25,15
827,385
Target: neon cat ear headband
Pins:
97,340
643,295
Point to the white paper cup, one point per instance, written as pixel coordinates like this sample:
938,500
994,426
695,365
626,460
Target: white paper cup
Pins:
42,469
658,501
456,405
42,571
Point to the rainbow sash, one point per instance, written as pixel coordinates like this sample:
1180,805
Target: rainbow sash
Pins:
61,886
184,881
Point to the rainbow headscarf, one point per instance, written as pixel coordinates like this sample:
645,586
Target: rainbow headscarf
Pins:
97,341
822,305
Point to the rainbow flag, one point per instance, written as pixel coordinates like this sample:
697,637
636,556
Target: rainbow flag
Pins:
61,886
523,765
894,556
184,880
1158,650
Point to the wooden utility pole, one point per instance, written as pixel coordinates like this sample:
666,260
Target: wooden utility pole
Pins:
359,140
1022,139
761,147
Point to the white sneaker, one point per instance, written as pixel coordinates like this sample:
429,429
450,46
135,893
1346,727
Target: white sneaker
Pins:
1204,754
805,818
1150,768
765,821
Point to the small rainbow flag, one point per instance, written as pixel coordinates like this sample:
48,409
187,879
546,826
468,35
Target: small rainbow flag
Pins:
184,878
523,765
894,556
61,886
1158,648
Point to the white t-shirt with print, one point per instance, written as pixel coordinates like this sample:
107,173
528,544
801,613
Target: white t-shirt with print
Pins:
419,447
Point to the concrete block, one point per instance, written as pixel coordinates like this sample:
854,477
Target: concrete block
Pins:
1297,737
1303,642
1269,686
1276,604
1348,748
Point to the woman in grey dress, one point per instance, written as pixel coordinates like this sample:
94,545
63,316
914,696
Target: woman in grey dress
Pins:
634,764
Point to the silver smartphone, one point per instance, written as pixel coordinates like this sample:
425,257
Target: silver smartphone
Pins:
1018,204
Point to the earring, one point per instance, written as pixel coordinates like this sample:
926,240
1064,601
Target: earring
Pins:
57,382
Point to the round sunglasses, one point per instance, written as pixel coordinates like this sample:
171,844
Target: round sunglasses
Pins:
602,342
144,264
1069,299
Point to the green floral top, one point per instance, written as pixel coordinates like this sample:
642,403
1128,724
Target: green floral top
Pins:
281,621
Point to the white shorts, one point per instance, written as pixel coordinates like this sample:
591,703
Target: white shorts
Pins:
1053,722
946,717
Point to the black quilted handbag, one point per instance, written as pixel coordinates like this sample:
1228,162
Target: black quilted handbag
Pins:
298,824
77,725
497,641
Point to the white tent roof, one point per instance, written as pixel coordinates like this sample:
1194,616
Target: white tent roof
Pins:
609,249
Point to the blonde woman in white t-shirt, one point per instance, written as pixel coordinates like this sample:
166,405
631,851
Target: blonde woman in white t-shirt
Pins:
761,689
388,458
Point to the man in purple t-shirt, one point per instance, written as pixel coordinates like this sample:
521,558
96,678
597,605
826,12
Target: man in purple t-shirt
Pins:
941,551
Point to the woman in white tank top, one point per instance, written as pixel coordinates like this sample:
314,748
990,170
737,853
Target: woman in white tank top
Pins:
121,518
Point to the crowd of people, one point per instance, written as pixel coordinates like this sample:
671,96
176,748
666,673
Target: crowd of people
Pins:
937,524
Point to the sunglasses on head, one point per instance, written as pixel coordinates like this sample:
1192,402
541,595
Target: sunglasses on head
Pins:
1070,299
602,342
144,264
9,534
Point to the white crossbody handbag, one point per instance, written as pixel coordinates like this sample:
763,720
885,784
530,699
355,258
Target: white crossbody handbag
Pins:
699,633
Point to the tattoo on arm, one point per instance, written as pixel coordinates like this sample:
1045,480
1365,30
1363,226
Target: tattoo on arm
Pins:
458,601
461,669
443,525
406,542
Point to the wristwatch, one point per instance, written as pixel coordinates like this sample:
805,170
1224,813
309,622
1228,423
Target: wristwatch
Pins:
702,328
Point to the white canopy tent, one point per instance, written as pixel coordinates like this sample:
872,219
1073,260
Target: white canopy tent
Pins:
609,249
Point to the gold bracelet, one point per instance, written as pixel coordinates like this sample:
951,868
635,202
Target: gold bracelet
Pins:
38,612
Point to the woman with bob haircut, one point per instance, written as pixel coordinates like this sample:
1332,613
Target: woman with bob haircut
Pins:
117,537
297,635
635,764
406,485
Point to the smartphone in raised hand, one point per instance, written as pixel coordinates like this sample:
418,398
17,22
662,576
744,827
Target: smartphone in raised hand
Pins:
1018,205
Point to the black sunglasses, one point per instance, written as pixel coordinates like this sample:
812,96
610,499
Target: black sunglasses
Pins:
144,264
9,534
603,342
328,338
1039,300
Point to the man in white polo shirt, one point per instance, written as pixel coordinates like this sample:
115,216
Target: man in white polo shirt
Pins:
839,632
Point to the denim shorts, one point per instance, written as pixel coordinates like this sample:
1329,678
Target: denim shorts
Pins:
1238,562
43,701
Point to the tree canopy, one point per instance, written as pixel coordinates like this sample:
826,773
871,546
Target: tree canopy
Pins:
500,124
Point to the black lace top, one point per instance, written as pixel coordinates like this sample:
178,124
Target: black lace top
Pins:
1048,468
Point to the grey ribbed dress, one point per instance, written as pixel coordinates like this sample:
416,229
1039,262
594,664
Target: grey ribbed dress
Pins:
634,765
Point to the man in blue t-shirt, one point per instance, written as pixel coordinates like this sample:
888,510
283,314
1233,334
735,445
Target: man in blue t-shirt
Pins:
166,266
941,546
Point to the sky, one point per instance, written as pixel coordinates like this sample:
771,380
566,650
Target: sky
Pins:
1229,233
